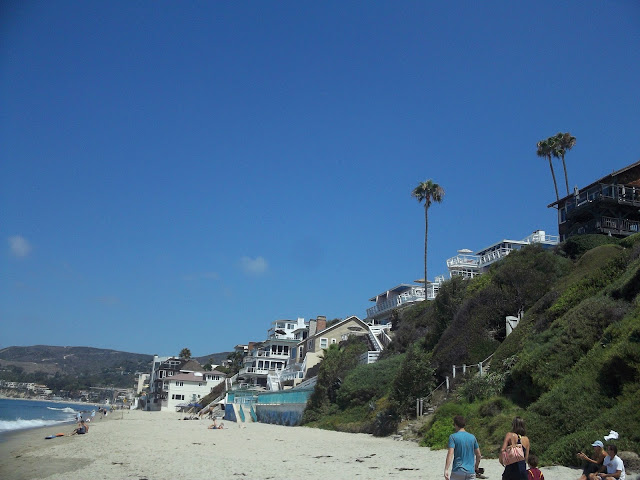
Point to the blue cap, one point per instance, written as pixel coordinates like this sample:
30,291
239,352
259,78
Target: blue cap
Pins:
597,443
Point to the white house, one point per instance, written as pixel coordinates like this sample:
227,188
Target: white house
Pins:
185,388
400,296
469,265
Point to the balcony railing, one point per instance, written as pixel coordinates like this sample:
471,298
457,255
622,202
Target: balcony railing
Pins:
464,261
394,302
259,370
627,194
267,353
620,224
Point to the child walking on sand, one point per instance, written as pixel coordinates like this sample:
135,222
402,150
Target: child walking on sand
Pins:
534,473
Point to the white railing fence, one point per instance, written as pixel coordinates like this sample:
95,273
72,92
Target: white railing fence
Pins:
482,367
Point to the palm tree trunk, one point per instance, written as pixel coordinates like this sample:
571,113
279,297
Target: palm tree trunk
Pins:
553,174
566,180
426,236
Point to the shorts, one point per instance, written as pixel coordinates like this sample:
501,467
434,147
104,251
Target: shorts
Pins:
462,475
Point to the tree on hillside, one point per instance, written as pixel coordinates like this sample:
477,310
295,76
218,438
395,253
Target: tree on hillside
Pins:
235,362
546,149
415,379
428,192
563,143
185,353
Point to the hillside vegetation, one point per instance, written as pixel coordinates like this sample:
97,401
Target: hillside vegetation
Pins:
571,368
70,369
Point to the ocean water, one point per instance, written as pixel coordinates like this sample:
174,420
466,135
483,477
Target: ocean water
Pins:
24,414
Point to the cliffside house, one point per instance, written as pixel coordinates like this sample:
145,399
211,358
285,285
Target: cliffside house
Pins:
309,352
264,361
400,296
469,265
609,206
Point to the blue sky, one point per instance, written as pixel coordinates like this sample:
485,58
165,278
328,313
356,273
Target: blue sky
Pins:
181,174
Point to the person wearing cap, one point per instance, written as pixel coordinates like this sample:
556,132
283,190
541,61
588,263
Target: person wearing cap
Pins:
612,467
593,464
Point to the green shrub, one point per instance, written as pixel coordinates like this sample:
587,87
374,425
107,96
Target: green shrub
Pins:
630,241
366,383
415,379
590,285
481,388
488,420
550,355
574,247
441,426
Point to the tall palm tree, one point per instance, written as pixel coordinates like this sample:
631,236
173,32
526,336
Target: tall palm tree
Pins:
563,143
545,150
428,192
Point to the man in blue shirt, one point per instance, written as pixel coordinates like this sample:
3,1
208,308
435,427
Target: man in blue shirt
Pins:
464,451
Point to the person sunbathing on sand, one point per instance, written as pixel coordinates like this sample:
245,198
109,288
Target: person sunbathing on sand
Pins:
82,429
215,426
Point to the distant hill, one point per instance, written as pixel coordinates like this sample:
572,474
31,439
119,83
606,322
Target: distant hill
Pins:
73,360
83,360
218,358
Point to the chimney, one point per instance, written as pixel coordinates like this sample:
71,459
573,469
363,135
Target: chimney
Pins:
321,323
312,327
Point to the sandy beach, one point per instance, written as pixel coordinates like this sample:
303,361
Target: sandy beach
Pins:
159,446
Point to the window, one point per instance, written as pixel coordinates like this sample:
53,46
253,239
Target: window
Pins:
324,342
179,384
333,341
170,374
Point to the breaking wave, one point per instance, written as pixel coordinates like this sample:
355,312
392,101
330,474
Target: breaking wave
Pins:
65,410
20,424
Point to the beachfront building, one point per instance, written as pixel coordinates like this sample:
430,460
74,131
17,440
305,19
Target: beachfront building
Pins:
309,352
400,297
141,382
469,265
608,206
264,361
184,389
164,368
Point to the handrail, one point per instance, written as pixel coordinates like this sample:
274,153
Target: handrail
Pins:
420,401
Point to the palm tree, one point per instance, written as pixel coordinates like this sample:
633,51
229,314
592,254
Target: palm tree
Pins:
428,192
563,143
545,150
185,353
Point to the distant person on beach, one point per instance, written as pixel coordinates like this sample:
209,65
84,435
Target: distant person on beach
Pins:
517,436
82,429
534,472
463,451
612,466
594,463
215,426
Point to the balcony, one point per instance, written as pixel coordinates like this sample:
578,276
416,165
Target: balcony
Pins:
616,226
279,355
258,371
463,261
394,302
